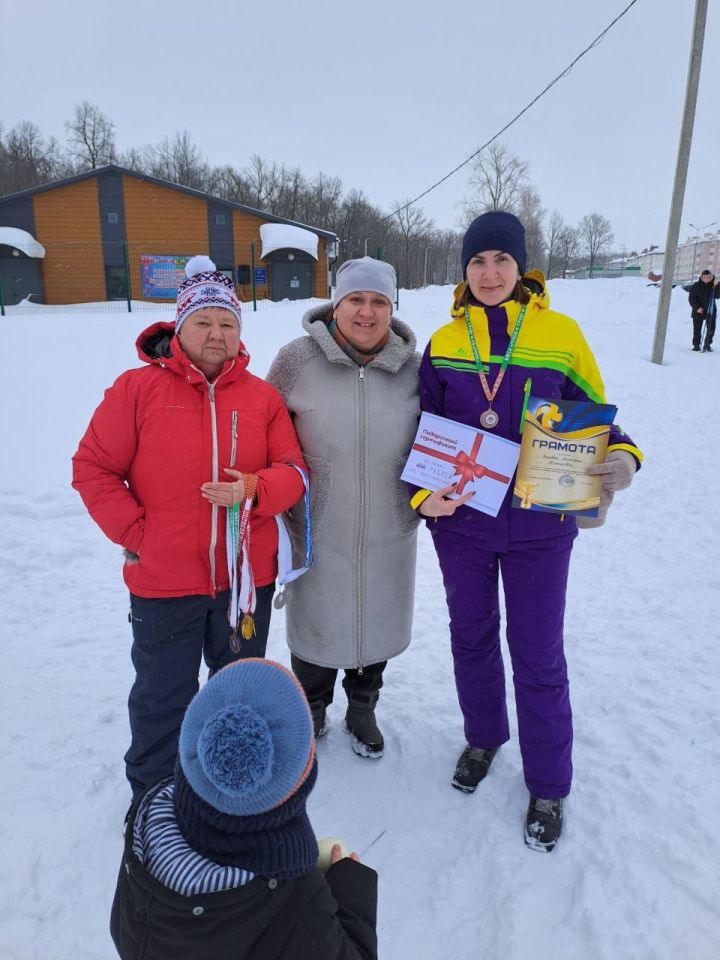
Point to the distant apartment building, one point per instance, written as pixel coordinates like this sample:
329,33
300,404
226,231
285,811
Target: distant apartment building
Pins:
695,255
650,260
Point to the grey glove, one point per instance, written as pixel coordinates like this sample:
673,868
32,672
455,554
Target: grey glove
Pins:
617,470
587,523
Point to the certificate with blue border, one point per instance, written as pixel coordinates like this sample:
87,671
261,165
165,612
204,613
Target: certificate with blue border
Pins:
560,439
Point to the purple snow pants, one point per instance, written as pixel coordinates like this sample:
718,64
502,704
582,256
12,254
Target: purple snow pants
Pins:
534,576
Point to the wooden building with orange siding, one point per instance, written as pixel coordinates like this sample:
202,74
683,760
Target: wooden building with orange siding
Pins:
115,234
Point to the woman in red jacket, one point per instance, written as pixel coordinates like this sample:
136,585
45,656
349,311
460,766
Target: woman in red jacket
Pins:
183,457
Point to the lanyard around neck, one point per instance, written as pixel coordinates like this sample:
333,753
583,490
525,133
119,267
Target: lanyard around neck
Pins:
510,348
489,417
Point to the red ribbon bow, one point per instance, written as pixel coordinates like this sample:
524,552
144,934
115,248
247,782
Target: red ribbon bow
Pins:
467,467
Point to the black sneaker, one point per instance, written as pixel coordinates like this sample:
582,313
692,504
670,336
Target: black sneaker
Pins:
696,349
360,723
472,767
543,824
707,349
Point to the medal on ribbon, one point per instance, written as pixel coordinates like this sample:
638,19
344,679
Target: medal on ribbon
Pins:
489,418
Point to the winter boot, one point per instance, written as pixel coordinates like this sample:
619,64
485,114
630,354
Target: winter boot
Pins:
472,767
367,741
319,718
543,824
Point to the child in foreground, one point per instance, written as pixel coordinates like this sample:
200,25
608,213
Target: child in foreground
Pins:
221,860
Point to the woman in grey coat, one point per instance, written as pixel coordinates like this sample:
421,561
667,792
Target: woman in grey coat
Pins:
352,391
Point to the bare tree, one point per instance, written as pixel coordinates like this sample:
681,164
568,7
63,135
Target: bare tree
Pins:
263,178
555,228
568,247
324,198
292,194
497,180
356,221
91,136
190,167
228,183
179,161
413,226
28,159
447,246
531,213
596,233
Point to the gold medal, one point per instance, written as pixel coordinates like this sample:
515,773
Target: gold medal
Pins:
247,627
489,419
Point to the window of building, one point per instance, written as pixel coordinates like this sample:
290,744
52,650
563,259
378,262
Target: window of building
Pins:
112,218
220,219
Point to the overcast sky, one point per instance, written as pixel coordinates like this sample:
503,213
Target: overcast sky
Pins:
389,96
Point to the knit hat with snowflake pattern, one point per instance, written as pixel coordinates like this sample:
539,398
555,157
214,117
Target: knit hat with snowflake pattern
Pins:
205,286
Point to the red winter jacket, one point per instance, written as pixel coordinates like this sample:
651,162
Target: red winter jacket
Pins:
158,435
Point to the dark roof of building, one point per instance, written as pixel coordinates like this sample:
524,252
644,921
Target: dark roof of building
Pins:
125,171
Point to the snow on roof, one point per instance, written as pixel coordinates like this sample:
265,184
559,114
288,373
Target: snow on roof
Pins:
22,240
279,236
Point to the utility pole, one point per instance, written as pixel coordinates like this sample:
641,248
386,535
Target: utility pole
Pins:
681,168
425,268
366,243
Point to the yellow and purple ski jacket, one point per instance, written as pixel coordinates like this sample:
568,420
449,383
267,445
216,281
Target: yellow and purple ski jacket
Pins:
551,352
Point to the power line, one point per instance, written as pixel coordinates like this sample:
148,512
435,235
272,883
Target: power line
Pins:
517,116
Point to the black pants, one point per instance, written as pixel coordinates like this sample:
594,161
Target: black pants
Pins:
709,330
171,636
319,682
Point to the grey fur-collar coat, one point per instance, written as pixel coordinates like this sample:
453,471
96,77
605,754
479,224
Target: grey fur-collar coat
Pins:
356,426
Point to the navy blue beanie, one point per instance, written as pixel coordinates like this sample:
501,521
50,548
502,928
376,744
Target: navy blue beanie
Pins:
495,230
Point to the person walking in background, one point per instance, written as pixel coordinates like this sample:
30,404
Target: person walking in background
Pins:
183,456
351,388
703,297
220,859
474,371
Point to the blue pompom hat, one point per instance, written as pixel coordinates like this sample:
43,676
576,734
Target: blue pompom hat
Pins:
495,230
246,742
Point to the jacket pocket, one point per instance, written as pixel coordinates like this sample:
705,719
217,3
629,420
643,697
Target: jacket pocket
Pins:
321,473
405,518
131,543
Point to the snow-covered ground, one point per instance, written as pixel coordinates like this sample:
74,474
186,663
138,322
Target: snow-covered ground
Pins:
635,876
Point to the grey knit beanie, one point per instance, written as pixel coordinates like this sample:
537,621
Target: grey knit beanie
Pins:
364,275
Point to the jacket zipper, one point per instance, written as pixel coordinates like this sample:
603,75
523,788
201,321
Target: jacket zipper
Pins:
233,440
213,528
215,459
361,527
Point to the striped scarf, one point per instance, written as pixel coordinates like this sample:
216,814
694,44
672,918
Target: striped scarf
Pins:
163,851
361,358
